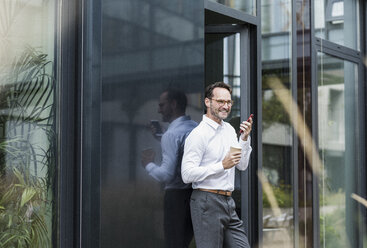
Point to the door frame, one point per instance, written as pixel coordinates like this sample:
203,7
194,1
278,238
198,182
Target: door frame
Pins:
222,19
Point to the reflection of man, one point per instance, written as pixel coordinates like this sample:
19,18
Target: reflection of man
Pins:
210,167
177,219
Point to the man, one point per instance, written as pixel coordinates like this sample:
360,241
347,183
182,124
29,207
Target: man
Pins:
210,167
177,218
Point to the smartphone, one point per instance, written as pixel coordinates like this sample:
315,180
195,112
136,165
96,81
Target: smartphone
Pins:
157,127
251,116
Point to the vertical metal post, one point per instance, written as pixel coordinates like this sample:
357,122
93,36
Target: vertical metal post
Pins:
91,90
245,109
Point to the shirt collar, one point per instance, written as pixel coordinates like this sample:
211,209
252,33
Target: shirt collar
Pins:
212,123
176,121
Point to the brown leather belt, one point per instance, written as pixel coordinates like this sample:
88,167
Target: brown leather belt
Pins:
217,191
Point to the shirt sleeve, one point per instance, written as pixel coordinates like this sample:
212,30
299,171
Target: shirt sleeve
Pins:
246,152
191,170
166,171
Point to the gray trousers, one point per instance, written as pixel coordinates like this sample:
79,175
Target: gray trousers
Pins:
215,221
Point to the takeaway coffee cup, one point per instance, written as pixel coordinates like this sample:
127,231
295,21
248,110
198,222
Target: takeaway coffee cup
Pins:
148,152
234,149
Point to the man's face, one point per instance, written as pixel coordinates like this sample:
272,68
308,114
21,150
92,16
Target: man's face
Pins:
215,110
165,108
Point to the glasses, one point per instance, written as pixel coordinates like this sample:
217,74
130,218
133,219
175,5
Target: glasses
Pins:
222,102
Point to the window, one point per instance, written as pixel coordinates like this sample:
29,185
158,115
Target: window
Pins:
27,124
148,47
248,6
338,142
277,132
338,21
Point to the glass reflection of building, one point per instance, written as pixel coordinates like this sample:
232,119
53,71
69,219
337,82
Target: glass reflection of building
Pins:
277,133
334,26
80,83
164,52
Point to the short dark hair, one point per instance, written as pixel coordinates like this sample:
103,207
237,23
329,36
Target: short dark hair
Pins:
179,97
209,89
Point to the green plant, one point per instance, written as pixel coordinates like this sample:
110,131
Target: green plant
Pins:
22,212
283,196
332,225
27,151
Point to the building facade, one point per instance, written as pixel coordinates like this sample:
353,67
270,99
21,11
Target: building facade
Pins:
80,85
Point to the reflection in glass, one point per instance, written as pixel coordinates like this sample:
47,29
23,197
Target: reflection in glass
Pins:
27,123
178,229
247,6
338,21
231,70
277,130
337,118
148,47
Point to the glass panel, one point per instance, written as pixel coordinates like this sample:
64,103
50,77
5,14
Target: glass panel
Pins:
231,72
338,21
148,48
278,225
27,124
247,6
337,119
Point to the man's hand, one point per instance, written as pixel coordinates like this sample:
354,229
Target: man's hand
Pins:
246,127
231,159
147,156
156,129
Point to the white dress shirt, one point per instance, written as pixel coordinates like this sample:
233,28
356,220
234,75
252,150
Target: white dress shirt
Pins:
172,144
205,149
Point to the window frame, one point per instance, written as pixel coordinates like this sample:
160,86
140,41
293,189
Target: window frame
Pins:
68,90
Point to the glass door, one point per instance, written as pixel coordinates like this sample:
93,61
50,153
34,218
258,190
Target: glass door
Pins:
225,60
